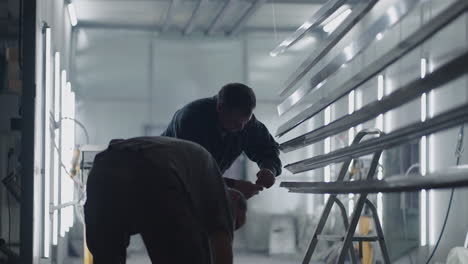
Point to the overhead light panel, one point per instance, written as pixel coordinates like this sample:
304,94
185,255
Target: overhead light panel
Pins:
72,14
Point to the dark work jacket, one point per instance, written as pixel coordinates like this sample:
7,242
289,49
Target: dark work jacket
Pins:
198,122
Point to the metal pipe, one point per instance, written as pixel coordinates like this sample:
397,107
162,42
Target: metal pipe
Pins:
405,46
448,72
448,119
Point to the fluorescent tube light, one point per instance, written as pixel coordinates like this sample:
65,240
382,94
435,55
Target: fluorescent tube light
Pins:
72,14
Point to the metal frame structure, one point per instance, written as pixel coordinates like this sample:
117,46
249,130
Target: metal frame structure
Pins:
446,73
351,227
449,71
408,44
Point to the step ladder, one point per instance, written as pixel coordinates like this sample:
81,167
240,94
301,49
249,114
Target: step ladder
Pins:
350,237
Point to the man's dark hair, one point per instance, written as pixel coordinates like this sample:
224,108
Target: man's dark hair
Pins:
237,96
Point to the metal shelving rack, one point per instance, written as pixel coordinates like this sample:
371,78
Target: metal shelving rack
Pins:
449,71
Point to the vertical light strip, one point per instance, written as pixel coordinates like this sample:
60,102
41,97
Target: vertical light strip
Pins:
423,68
351,108
71,146
351,101
380,126
72,14
358,106
423,161
380,87
350,204
57,179
63,187
431,162
57,134
327,148
47,143
423,218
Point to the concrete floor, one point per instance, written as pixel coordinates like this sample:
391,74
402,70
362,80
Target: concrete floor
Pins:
239,258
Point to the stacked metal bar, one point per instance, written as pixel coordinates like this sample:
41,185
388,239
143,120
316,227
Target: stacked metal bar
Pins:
448,72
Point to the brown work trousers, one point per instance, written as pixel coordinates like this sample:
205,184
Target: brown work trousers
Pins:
126,195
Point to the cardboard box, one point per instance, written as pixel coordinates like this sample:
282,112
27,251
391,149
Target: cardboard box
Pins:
13,71
12,54
15,86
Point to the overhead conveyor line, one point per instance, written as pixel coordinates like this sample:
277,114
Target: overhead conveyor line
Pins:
405,46
448,119
450,178
317,18
361,9
446,73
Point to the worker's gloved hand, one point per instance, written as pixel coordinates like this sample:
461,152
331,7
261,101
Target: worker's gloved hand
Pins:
247,188
265,178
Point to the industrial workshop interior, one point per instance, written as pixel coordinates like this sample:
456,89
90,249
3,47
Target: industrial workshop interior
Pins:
365,101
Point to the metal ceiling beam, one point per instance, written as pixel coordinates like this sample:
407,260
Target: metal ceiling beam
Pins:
245,17
169,15
405,46
189,27
448,72
212,28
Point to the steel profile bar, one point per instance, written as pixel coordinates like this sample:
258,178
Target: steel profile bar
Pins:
448,72
453,177
390,18
212,28
317,18
169,16
361,9
448,119
189,27
245,17
405,46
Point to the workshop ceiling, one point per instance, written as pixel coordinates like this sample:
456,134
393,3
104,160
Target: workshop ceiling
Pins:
211,17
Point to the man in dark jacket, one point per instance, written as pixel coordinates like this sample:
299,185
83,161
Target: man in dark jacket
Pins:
226,127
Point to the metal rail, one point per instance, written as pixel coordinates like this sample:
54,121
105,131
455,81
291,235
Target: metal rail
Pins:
448,119
359,11
446,73
452,177
317,18
405,46
390,18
